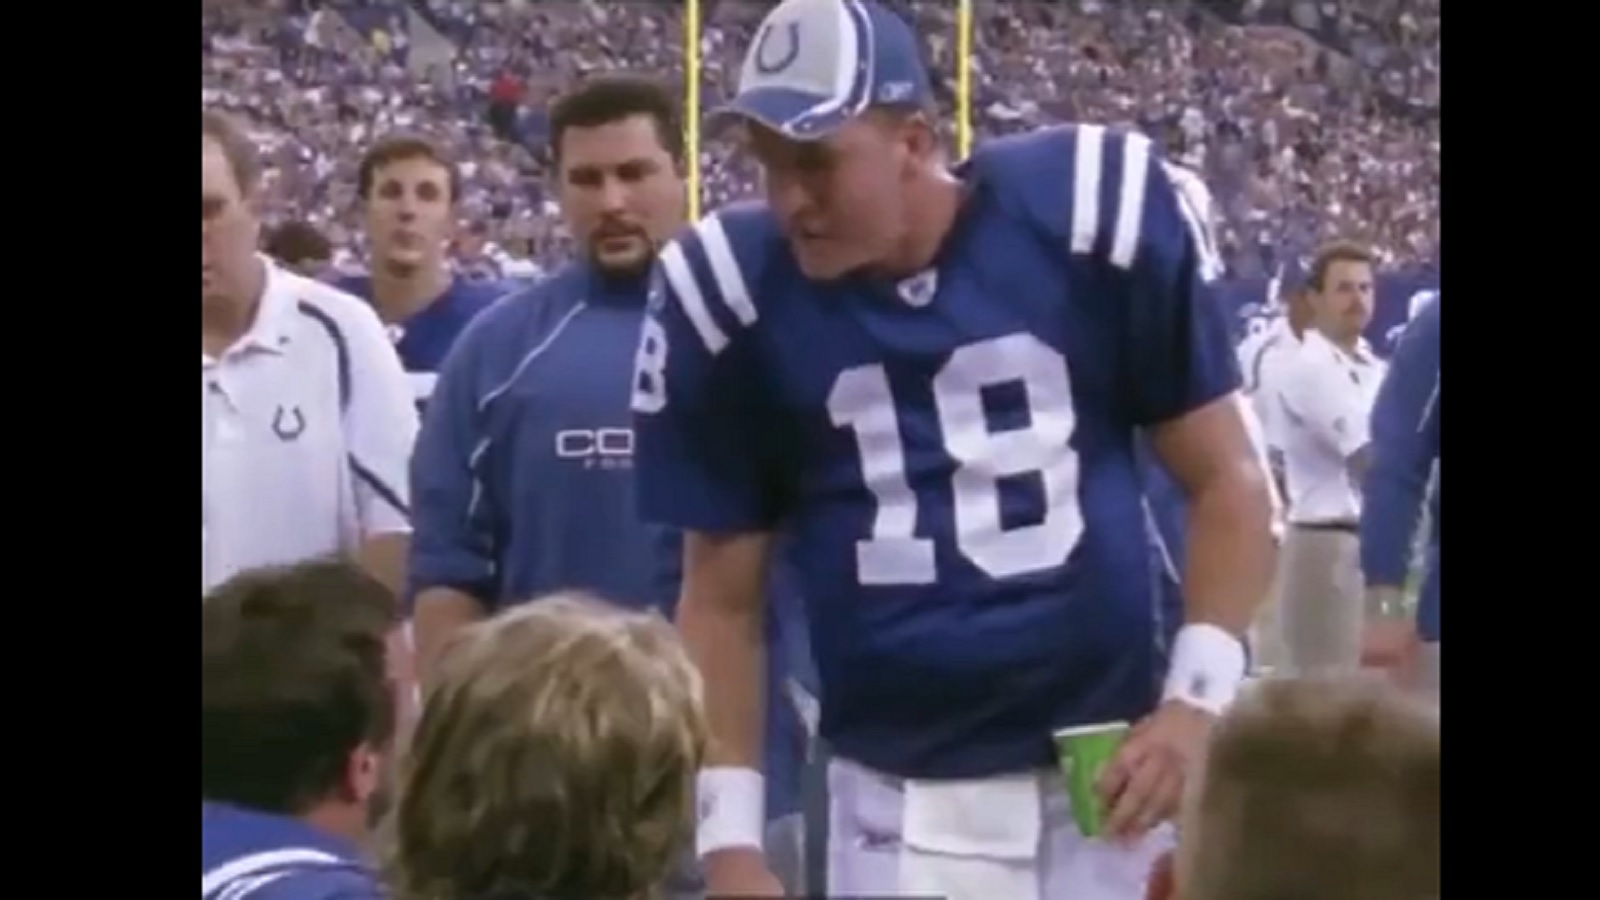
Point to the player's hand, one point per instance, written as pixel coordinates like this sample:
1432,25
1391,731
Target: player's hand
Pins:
1144,782
1390,645
739,872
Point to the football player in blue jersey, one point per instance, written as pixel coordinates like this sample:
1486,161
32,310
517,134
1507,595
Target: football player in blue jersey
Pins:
1406,425
296,722
408,190
931,382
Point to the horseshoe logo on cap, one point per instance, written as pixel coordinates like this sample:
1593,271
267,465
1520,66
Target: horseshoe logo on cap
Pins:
769,62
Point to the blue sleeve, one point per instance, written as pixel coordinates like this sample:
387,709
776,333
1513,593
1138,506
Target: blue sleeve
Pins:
1405,444
698,439
453,540
1181,352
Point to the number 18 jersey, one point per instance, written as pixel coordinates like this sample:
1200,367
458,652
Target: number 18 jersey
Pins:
951,456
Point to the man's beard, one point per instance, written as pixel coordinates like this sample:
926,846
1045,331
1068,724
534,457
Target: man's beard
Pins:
614,269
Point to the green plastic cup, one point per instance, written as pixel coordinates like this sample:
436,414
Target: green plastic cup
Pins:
1083,752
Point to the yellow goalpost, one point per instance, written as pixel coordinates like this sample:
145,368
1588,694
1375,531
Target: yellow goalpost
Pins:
692,102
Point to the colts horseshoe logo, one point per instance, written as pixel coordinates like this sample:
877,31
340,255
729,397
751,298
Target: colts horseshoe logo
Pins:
288,424
770,61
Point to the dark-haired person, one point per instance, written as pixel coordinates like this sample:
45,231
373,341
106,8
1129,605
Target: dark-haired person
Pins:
301,248
296,715
1328,387
408,188
523,472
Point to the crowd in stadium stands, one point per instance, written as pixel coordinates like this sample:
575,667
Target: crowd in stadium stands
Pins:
1309,119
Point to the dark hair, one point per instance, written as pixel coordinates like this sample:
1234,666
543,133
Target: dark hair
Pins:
400,148
294,243
238,148
1335,252
611,98
293,679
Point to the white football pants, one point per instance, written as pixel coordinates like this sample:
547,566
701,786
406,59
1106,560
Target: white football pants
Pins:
1009,837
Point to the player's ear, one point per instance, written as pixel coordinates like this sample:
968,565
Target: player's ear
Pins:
254,201
919,137
362,771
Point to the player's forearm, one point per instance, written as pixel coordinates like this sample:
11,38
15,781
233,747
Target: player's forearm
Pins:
440,613
721,615
1228,572
727,643
383,556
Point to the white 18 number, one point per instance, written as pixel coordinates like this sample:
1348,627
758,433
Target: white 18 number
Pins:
893,555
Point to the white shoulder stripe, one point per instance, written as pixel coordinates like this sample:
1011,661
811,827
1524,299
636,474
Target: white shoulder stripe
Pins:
1088,168
1130,200
258,863
681,278
725,269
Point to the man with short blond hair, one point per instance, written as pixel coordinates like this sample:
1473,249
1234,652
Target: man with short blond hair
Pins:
1316,790
580,727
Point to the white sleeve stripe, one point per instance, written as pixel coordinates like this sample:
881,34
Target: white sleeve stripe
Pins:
1087,168
691,298
1130,200
257,863
1428,407
725,270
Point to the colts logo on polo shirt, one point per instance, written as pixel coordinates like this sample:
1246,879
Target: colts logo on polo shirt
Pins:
288,423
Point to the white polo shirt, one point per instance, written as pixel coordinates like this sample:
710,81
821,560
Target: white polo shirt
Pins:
1258,442
1325,400
1262,361
306,429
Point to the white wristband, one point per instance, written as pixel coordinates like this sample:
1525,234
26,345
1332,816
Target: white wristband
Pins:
1208,665
732,809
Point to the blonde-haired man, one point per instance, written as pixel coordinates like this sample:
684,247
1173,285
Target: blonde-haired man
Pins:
555,757
1317,790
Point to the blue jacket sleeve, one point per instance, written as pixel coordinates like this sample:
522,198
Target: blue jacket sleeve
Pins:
453,542
1405,444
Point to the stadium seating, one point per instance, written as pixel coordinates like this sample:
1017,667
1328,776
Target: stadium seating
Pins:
1309,119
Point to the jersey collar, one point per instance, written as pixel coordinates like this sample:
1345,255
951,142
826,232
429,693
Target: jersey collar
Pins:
270,331
1363,353
609,290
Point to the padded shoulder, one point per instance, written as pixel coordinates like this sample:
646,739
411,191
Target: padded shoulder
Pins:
1076,182
753,234
1031,172
715,271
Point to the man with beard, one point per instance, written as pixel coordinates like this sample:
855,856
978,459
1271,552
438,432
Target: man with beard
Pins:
523,472
408,191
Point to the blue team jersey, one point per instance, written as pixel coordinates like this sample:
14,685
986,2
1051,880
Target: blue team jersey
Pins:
1407,421
423,340
953,456
522,481
250,855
